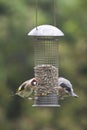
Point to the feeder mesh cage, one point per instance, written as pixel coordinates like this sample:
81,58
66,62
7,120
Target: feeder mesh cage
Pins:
46,64
46,52
46,71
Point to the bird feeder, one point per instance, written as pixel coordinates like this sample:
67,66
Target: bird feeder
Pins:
45,39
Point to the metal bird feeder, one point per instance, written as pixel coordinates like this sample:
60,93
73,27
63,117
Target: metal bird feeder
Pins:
46,64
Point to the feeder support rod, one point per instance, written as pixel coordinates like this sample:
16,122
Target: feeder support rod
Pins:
54,13
36,12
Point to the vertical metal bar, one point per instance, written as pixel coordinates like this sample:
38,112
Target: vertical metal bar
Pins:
36,13
54,12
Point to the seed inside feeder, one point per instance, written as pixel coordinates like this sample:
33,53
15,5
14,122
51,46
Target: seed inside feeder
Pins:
47,76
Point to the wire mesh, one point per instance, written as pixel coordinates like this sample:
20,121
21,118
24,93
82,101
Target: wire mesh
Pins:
46,71
50,100
46,52
46,64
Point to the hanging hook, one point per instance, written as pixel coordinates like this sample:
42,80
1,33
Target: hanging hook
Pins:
54,13
36,12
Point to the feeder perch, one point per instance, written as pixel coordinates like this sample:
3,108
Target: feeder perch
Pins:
46,64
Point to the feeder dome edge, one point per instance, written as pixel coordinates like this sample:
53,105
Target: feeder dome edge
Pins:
46,30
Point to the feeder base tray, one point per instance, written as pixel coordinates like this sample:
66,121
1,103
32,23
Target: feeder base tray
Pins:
50,100
45,105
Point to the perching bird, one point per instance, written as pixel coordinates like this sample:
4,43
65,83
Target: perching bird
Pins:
64,87
27,88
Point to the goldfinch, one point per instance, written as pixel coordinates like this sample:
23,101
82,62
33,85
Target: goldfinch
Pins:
26,88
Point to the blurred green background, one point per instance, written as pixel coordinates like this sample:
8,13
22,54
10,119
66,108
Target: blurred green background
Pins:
17,18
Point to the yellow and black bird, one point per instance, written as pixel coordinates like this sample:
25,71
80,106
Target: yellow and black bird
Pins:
26,88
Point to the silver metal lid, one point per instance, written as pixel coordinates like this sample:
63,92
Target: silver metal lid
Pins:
46,30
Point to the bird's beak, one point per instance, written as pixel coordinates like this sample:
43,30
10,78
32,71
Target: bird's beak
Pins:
74,95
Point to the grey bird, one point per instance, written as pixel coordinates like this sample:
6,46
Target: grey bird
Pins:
65,87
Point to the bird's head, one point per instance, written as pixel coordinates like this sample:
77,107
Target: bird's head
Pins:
69,90
33,82
67,86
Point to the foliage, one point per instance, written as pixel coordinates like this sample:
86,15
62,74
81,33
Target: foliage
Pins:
17,18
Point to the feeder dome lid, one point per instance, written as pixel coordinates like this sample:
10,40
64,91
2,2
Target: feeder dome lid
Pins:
46,30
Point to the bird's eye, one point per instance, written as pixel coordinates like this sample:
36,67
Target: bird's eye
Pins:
63,85
68,89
